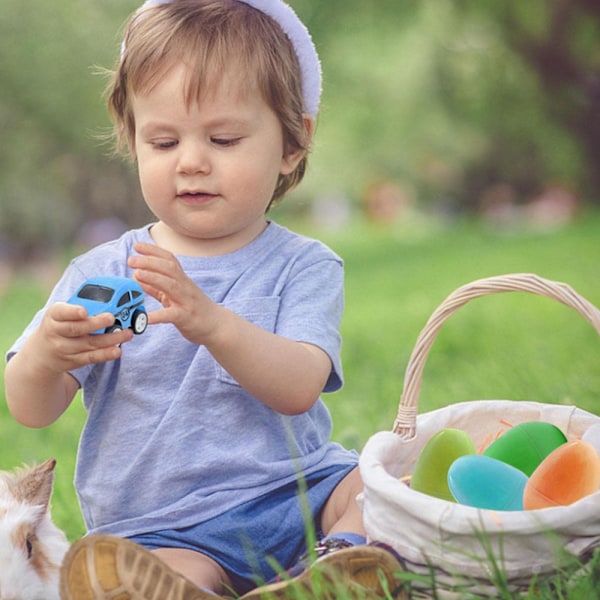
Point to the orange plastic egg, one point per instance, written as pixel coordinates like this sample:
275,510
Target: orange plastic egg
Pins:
566,475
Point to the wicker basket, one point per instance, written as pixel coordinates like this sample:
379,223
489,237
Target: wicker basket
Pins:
463,546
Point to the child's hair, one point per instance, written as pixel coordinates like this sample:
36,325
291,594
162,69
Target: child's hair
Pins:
209,37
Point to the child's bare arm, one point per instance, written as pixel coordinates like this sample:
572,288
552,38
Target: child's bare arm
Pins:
286,375
38,385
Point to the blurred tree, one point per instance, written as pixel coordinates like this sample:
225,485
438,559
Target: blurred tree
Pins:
55,173
565,55
455,97
446,97
537,93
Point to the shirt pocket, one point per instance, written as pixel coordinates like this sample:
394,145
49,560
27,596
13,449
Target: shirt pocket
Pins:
260,311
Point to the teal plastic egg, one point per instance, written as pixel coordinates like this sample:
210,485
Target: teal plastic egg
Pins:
484,482
526,445
430,475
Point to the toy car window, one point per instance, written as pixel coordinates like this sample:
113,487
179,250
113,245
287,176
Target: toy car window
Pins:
136,294
124,299
96,292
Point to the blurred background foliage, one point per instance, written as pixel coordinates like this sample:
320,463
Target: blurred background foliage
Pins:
454,105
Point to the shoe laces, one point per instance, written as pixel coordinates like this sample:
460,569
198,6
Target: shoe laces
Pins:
329,545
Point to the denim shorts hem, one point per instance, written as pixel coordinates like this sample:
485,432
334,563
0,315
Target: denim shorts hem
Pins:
255,540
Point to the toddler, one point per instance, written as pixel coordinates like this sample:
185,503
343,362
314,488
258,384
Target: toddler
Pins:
205,462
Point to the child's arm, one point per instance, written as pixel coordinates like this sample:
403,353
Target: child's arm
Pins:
286,375
38,385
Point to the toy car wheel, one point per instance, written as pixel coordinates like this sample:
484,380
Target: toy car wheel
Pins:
113,328
139,322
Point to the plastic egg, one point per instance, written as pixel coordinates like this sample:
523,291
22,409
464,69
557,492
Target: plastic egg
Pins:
485,482
526,445
568,474
430,474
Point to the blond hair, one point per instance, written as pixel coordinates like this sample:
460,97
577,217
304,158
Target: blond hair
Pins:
210,36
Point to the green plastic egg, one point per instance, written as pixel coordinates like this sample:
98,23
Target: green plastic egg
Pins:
526,445
430,475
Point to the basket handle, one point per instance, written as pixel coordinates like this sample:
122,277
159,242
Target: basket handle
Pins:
405,423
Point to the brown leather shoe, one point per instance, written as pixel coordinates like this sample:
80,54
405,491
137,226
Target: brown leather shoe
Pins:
102,567
364,571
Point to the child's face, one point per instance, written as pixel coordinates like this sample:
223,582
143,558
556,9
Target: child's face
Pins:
207,171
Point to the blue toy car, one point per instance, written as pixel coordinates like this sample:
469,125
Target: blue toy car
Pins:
119,296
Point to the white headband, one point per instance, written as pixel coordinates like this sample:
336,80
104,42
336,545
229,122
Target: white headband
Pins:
298,34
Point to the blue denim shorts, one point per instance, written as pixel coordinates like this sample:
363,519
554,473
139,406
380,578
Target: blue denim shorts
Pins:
258,539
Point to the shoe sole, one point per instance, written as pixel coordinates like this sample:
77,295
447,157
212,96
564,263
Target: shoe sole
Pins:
370,571
101,567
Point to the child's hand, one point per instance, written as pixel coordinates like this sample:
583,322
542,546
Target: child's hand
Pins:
286,375
184,304
39,387
64,339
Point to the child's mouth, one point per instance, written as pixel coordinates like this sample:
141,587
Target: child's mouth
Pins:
196,197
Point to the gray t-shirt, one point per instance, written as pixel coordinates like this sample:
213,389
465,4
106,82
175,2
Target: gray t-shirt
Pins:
170,438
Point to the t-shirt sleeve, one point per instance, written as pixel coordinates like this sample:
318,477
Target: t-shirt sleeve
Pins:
311,310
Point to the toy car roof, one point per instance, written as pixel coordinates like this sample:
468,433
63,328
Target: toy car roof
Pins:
116,283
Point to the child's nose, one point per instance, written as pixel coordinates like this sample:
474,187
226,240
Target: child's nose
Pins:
193,158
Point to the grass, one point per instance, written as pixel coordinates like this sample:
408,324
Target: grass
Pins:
510,346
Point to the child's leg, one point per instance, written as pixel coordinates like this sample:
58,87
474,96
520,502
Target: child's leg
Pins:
372,570
342,514
197,568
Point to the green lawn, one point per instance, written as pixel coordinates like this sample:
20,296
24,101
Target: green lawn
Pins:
509,346
512,346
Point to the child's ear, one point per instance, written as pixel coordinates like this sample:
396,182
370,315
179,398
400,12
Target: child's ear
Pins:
293,157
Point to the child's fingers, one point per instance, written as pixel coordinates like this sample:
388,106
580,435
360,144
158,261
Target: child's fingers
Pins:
69,320
159,316
154,259
101,355
151,250
153,284
64,312
171,288
67,353
100,348
86,326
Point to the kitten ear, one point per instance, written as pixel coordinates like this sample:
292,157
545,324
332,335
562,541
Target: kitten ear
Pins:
34,486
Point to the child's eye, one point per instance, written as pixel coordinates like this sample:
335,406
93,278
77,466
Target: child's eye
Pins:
218,141
164,144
